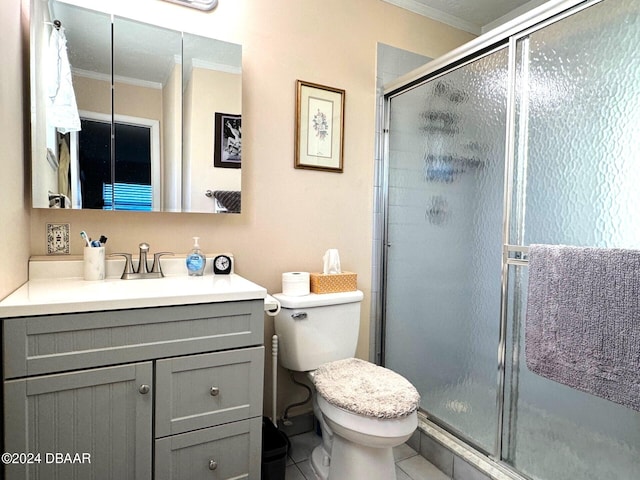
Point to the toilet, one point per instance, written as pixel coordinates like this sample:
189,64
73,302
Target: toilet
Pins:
364,410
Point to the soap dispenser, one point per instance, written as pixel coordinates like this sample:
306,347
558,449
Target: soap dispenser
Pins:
196,259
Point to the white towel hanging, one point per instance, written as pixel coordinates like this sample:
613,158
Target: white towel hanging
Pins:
62,111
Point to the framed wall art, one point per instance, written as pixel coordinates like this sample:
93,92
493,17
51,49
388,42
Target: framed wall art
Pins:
227,148
319,129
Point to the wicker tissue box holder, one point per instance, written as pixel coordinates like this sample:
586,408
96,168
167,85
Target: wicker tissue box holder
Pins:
333,282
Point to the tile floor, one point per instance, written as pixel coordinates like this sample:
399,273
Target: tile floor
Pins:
409,465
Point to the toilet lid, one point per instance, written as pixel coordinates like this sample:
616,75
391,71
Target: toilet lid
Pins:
366,389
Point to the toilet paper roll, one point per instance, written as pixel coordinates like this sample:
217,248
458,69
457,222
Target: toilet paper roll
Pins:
295,284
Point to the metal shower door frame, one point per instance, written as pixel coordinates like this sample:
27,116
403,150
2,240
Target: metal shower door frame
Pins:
509,33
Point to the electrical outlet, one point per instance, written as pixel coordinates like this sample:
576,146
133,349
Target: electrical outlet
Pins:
58,242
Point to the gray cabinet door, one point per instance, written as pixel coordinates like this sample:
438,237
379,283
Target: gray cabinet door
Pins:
227,452
202,391
88,424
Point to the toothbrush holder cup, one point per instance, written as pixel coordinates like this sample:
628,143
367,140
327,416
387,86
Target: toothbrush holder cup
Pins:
94,263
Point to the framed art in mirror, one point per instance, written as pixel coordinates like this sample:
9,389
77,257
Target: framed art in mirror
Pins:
227,152
319,129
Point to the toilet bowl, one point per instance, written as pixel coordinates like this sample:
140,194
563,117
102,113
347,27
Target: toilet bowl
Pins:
321,455
364,410
362,448
369,410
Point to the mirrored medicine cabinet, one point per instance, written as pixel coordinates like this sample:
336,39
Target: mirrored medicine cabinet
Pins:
160,115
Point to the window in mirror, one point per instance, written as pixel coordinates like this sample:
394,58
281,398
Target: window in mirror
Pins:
94,162
128,186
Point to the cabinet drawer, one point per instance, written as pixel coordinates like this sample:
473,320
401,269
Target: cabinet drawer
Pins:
201,391
230,451
56,343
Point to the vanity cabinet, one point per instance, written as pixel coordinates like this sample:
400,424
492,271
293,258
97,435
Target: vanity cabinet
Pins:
165,393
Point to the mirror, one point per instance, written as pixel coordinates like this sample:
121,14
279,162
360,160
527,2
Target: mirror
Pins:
212,130
160,116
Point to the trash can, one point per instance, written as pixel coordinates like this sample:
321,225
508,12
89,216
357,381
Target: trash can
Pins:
274,451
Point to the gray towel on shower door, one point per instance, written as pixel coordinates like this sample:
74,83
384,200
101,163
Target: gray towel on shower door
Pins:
583,319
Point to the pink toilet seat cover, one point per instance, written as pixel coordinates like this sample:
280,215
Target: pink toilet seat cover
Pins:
366,389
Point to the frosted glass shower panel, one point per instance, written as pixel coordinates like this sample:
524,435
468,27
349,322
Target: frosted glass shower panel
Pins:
578,128
578,172
444,217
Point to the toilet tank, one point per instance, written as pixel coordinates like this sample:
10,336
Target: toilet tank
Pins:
317,328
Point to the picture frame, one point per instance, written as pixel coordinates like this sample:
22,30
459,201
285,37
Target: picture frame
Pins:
227,147
319,128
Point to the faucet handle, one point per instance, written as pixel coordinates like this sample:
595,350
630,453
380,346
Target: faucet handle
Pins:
156,267
128,264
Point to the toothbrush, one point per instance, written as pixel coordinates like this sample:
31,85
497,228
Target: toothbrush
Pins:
84,236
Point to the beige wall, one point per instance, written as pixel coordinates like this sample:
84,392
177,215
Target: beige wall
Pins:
14,179
131,100
289,217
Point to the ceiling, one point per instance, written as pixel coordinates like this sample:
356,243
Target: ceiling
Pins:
143,54
474,16
88,36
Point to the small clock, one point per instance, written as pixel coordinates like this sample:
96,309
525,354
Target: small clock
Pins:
222,265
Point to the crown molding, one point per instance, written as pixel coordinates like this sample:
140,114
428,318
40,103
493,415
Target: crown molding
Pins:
117,78
440,16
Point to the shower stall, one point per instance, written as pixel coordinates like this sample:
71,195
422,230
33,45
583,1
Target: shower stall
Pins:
529,134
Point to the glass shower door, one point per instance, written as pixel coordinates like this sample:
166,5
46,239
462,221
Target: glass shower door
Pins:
577,183
444,236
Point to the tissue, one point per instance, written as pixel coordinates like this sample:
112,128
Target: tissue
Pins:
333,279
331,262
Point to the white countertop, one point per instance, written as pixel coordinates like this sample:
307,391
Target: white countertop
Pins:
57,287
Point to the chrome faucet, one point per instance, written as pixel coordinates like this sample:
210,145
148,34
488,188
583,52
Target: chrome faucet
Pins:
142,269
143,266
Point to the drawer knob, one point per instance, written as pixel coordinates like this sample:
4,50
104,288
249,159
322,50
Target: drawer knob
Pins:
215,391
144,389
213,464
